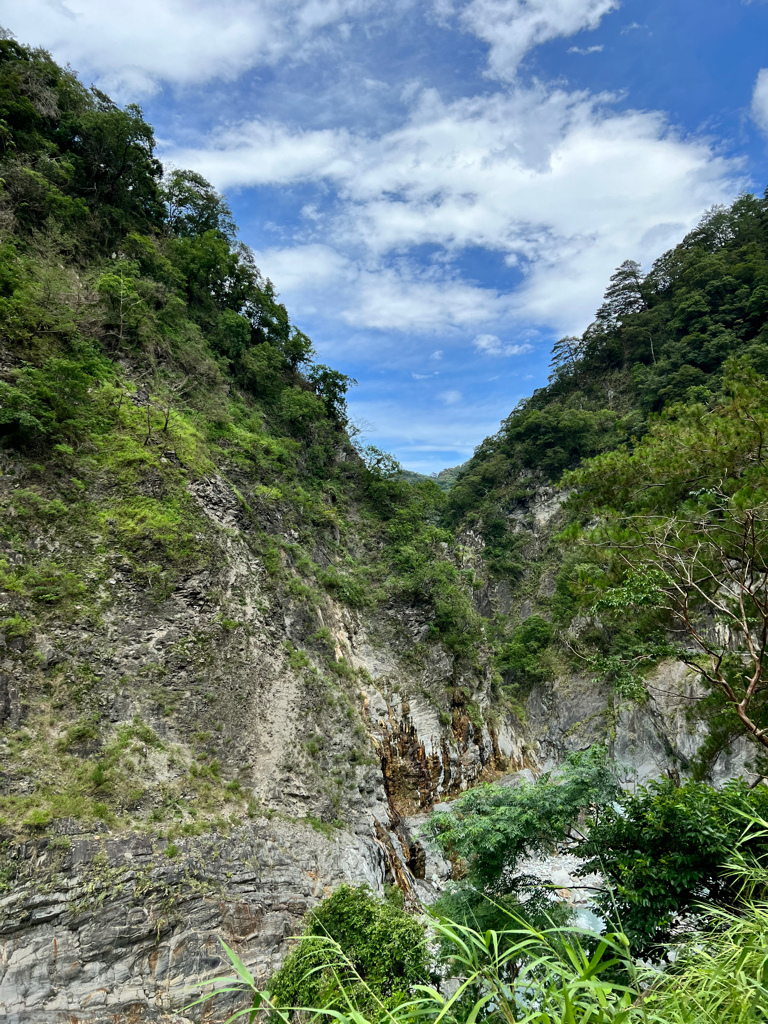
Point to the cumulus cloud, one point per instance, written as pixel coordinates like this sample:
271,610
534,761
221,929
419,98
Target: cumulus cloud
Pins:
132,47
405,299
375,294
760,100
559,183
309,266
562,186
260,152
585,50
490,345
513,27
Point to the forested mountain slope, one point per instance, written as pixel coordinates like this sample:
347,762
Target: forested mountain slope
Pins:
236,652
238,655
662,404
658,338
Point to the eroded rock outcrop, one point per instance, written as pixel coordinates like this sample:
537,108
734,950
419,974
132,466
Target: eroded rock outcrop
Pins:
282,747
121,929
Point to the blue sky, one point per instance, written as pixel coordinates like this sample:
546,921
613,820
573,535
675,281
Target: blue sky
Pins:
439,188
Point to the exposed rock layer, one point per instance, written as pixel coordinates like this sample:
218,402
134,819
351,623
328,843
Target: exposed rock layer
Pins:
112,928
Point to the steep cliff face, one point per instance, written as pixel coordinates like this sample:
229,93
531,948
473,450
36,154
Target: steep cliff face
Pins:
659,734
250,770
219,771
106,928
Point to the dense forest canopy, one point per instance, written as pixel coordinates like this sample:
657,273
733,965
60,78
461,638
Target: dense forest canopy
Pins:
82,172
658,338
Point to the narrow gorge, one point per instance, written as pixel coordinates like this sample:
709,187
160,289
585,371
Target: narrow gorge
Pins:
243,657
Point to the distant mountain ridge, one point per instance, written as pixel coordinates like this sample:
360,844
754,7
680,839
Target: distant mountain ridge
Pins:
445,479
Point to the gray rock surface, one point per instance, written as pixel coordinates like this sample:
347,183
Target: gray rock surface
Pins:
368,729
107,927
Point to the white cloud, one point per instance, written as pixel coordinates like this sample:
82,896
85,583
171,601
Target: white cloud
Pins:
513,27
490,345
311,266
259,152
450,397
560,184
371,294
405,299
760,100
585,50
132,47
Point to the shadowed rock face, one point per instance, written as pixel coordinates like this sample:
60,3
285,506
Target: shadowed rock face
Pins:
108,923
110,927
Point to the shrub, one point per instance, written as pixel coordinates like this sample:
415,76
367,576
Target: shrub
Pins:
665,849
493,826
520,658
554,975
383,954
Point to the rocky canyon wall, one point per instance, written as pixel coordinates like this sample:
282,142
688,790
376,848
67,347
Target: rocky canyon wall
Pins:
269,750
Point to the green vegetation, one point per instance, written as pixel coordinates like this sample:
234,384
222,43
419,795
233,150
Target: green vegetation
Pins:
682,544
653,420
91,771
143,354
666,849
490,828
146,362
146,350
445,479
378,951
657,339
666,852
519,658
549,975
655,416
